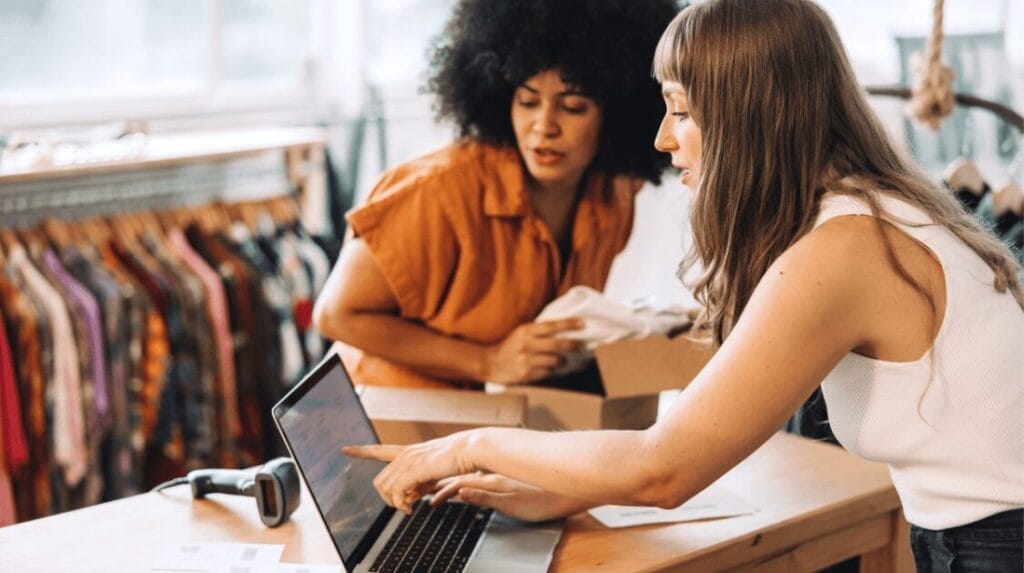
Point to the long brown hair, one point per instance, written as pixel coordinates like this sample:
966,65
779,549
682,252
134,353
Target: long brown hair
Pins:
783,121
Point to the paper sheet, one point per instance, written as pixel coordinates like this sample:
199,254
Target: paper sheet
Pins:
205,556
277,568
705,505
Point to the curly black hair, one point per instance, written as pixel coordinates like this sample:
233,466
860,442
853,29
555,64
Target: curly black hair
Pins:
604,47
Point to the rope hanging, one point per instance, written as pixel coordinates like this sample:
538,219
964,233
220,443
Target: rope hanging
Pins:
932,97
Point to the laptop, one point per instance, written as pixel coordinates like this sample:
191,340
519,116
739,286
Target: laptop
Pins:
322,413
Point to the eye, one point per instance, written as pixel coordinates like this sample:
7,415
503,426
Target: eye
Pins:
575,103
527,102
681,115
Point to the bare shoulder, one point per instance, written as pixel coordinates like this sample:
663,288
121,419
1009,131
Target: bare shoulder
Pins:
844,238
862,248
842,256
845,268
830,280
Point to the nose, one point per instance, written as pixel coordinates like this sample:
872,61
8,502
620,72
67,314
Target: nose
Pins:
664,140
546,121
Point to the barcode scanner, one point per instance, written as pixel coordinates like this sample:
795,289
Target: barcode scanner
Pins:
275,485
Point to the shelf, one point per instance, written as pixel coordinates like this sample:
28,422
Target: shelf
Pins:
183,148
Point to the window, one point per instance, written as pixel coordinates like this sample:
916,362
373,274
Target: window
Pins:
63,61
401,34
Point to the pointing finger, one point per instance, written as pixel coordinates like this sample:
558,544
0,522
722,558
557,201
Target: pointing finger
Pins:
375,452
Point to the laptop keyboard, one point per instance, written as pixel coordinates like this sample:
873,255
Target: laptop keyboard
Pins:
433,538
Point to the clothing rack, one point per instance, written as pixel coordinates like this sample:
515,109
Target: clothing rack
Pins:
1006,114
178,327
174,171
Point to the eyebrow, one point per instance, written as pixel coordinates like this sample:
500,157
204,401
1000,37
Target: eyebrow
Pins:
570,91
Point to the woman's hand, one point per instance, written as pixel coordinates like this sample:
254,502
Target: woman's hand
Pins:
508,496
531,352
415,470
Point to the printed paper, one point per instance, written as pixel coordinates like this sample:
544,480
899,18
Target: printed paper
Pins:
705,505
205,556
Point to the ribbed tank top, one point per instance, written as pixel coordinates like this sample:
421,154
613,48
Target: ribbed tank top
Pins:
950,425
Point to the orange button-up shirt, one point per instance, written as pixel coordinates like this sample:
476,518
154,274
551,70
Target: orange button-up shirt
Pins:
458,241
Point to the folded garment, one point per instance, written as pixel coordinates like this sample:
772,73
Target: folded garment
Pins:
607,321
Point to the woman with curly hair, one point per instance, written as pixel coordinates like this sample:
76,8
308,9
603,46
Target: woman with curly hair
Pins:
827,259
455,253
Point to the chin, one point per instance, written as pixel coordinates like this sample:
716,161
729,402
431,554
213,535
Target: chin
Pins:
548,176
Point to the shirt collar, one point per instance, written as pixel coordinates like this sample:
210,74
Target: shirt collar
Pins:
505,192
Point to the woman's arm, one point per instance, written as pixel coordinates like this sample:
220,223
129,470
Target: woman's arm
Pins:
358,307
819,301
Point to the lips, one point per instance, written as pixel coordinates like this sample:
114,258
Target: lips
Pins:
546,156
684,173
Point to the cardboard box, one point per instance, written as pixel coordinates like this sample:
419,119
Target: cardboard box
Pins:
411,415
624,395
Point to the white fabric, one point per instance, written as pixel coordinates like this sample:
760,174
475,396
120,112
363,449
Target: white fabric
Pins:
606,321
950,425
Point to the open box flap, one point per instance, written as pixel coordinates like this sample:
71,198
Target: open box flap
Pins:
443,406
650,365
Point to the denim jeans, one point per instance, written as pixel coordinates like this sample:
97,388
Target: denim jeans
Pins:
991,545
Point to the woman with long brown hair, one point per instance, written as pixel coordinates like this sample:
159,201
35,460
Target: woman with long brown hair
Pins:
827,259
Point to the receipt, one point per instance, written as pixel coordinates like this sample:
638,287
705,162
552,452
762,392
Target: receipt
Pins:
205,556
277,568
704,505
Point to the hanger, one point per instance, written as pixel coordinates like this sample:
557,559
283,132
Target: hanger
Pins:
3,252
121,230
287,211
259,217
150,223
247,213
1008,198
210,218
94,231
963,174
9,240
222,215
57,232
167,220
181,217
77,234
964,180
33,239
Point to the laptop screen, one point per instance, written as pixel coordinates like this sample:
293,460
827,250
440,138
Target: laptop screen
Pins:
317,417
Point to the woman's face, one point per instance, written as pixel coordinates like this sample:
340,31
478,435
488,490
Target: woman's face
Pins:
678,135
557,129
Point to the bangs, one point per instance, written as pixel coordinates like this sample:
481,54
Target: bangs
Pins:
670,56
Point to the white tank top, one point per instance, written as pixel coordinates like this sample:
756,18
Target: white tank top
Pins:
953,438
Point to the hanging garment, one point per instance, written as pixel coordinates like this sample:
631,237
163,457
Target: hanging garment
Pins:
217,307
12,433
27,336
69,447
117,459
85,320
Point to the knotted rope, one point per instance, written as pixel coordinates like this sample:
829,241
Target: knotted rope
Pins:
932,95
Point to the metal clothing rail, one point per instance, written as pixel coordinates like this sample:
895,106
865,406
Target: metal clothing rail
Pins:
27,203
1006,114
177,172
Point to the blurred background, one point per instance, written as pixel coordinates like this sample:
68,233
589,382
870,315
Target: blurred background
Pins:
355,68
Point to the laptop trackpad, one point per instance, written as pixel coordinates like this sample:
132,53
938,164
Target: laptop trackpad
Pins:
509,546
